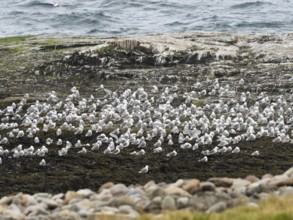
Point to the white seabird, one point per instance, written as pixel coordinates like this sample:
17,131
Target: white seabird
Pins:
236,150
172,154
255,153
82,151
62,152
204,159
158,150
185,146
144,170
37,140
42,163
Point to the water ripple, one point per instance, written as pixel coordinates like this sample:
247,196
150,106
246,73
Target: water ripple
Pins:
125,17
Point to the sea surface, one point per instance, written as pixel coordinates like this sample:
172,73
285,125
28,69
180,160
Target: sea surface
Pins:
140,17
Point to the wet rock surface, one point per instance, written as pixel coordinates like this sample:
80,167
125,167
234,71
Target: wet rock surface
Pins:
175,61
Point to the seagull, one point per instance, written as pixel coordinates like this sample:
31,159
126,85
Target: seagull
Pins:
37,140
4,140
158,150
144,170
42,163
195,146
58,132
82,151
172,154
255,153
62,152
236,150
204,159
59,142
185,146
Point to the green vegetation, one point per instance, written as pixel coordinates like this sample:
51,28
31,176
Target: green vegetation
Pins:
108,50
198,102
274,208
13,40
51,41
16,49
195,48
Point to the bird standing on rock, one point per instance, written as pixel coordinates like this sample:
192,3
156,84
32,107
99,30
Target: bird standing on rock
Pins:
144,170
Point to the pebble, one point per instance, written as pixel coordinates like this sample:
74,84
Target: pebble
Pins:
168,203
207,186
191,186
117,200
218,207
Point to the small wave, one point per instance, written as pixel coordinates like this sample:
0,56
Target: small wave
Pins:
250,5
37,4
176,23
268,25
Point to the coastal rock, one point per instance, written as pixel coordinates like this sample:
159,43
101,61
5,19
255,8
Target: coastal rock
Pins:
267,176
126,209
72,195
104,196
118,189
281,180
289,172
251,178
66,215
221,182
202,202
6,200
85,193
178,183
12,215
168,203
218,207
35,210
158,192
239,186
107,185
122,200
207,186
253,188
191,186
176,191
154,206
182,202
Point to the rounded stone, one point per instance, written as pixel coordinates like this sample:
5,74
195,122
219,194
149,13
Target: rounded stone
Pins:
175,191
168,203
118,189
218,207
191,186
107,185
207,186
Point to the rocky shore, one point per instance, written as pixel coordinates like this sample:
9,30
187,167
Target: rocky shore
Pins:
118,201
36,65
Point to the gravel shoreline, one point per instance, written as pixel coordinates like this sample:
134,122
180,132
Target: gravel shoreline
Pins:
129,202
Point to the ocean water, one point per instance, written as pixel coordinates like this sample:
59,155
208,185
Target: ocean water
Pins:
139,17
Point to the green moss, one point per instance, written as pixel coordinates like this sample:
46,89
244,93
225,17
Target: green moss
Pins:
198,102
195,48
16,49
51,41
14,40
109,50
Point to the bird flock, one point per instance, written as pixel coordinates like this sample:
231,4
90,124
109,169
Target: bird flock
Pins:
144,122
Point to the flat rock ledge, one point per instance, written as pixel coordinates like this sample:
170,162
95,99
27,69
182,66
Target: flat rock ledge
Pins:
117,201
